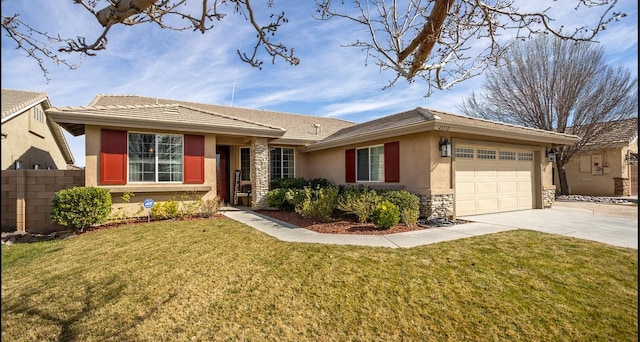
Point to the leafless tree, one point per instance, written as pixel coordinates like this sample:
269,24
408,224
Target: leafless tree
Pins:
559,86
434,40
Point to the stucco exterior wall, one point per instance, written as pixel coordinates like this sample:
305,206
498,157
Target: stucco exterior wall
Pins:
159,192
425,173
588,183
33,144
414,171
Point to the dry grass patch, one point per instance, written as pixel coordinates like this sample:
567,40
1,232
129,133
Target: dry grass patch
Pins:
220,280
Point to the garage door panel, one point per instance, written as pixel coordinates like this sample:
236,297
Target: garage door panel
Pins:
508,187
484,188
493,185
466,207
509,203
487,205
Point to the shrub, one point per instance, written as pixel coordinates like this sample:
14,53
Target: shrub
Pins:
406,202
81,207
317,204
385,215
277,198
358,201
164,210
287,183
409,217
319,183
120,214
210,207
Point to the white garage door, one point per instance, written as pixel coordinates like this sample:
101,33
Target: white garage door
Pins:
489,180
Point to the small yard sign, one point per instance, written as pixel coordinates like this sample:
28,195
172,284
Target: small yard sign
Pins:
148,203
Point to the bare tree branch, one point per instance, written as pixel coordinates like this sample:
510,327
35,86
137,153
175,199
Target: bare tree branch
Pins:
441,42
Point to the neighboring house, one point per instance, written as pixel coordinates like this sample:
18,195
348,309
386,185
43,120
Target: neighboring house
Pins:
457,165
609,166
30,139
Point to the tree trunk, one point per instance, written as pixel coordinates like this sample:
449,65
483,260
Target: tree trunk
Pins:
562,179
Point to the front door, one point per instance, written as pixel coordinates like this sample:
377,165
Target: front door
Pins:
222,173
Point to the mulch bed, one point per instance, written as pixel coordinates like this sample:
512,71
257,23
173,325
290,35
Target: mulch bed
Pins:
345,225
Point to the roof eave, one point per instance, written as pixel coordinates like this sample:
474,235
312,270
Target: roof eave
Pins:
65,119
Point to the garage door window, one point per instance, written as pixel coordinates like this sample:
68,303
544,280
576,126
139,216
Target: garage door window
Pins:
464,152
486,154
525,156
507,155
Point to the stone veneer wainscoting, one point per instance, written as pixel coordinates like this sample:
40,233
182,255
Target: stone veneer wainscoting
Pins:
442,205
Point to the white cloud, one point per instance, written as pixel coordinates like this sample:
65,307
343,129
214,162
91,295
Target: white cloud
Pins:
330,81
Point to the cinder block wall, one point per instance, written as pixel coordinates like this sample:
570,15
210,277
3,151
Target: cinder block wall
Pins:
27,196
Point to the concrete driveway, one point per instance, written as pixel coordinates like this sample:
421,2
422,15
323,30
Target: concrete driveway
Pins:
608,223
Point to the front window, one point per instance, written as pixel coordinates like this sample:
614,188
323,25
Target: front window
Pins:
281,163
155,157
245,164
370,164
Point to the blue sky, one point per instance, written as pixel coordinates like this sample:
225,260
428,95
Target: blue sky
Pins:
331,80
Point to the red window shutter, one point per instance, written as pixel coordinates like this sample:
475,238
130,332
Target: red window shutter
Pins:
350,165
113,157
392,162
194,159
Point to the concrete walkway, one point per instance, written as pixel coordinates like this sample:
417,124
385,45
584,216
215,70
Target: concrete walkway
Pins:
562,220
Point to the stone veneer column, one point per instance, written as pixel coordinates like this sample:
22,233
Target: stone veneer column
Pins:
259,172
548,198
622,186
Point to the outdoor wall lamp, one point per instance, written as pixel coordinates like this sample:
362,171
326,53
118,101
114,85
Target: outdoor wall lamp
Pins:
18,164
445,147
630,159
551,155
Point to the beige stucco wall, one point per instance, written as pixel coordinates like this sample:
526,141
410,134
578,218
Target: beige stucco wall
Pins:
414,172
157,191
587,183
422,170
21,143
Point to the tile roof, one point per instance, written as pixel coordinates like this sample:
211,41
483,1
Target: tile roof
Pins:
421,115
15,101
297,126
167,116
615,133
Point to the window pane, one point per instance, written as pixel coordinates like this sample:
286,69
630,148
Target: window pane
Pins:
275,162
245,164
362,164
155,158
142,157
377,164
287,163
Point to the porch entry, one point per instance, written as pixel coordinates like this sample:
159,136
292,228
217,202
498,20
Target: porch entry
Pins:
222,173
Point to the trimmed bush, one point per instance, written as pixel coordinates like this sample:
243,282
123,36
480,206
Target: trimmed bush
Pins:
358,201
320,183
277,198
385,215
81,207
288,183
407,203
164,210
317,204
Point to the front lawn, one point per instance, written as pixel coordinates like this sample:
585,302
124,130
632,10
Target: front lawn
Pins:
207,280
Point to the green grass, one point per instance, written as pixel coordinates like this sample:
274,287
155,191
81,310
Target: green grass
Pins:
218,280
